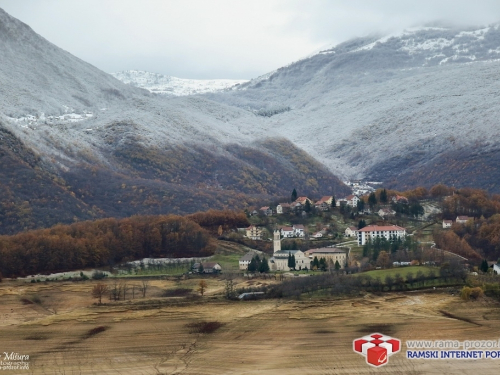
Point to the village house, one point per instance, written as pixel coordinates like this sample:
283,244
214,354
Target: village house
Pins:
246,259
266,211
399,199
496,269
351,232
254,233
279,260
463,219
324,203
287,232
298,230
208,267
331,255
383,212
341,202
388,232
352,200
282,208
302,201
447,223
317,235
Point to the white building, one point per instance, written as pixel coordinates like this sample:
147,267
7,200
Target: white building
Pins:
447,223
282,208
331,255
463,219
372,232
279,260
351,232
298,230
246,259
352,200
287,232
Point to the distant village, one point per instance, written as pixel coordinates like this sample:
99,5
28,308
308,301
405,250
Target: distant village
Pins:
332,257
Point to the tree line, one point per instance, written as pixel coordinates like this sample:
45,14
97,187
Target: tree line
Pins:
102,243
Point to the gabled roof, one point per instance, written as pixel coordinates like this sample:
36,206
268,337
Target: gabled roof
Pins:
287,229
372,228
265,208
298,226
350,197
209,264
353,228
324,199
325,250
284,204
248,256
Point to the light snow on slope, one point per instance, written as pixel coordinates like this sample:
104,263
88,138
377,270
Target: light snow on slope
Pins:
162,84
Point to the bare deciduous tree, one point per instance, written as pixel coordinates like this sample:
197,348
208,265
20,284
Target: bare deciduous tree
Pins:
99,290
144,287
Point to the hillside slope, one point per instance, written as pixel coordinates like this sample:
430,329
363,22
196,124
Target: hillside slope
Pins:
391,109
79,144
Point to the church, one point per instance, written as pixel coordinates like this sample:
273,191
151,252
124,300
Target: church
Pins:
279,260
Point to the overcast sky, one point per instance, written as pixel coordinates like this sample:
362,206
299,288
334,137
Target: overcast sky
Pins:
239,39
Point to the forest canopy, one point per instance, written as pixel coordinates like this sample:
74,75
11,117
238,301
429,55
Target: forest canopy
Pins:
107,242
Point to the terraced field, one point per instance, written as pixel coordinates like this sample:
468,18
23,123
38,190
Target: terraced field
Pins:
63,332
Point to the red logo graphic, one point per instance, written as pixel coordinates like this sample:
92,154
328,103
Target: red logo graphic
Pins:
377,348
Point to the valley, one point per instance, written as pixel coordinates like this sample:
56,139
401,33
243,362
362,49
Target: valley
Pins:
65,332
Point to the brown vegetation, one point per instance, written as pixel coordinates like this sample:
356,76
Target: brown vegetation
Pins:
102,243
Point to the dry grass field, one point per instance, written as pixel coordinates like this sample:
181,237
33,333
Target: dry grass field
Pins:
64,332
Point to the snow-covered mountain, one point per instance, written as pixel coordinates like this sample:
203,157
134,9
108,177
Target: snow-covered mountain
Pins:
418,107
168,85
76,143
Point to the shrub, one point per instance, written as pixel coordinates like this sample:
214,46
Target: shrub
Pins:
98,275
179,292
204,327
95,331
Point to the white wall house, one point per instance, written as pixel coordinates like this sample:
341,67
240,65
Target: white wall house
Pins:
447,223
372,232
282,208
352,200
287,232
298,230
463,219
351,231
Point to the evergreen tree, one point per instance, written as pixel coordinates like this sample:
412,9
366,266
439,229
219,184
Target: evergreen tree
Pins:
315,263
361,224
307,206
484,266
372,200
294,195
264,266
322,264
383,196
289,264
293,263
254,264
337,265
361,205
334,203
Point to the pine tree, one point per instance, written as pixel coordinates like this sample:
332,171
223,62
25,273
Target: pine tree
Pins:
337,265
307,207
484,266
372,200
294,195
289,264
264,266
334,203
383,196
361,205
293,263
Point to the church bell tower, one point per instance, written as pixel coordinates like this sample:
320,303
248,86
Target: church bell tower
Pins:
277,240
